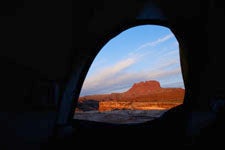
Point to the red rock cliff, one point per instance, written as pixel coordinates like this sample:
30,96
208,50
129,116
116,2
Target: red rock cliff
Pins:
142,91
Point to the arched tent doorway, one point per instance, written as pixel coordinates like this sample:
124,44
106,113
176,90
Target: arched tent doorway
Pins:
136,73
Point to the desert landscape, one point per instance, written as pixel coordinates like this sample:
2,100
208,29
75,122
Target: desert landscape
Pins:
144,101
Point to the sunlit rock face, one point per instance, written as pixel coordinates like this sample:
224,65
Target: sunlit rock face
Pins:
143,88
119,105
152,91
146,95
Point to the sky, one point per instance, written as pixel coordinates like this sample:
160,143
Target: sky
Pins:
141,53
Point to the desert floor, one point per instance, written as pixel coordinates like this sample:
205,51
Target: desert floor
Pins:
120,116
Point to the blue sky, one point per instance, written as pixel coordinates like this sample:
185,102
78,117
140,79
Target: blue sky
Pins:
141,53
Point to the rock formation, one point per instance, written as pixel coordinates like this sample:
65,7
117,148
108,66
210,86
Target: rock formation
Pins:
142,95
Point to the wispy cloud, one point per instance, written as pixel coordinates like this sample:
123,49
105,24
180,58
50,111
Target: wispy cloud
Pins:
156,42
174,84
160,65
116,81
99,62
106,76
172,52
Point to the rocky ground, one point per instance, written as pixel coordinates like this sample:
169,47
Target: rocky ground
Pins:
120,116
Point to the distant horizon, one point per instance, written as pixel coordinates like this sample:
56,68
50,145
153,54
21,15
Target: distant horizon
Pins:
130,88
141,53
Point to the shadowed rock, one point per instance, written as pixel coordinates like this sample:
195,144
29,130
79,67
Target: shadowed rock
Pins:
87,105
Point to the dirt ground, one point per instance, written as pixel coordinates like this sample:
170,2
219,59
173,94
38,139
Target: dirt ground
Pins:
120,116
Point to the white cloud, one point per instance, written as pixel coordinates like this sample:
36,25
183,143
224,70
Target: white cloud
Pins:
99,62
156,42
117,82
174,84
105,77
118,77
162,64
172,52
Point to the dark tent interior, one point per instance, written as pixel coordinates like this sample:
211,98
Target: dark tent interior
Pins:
47,48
